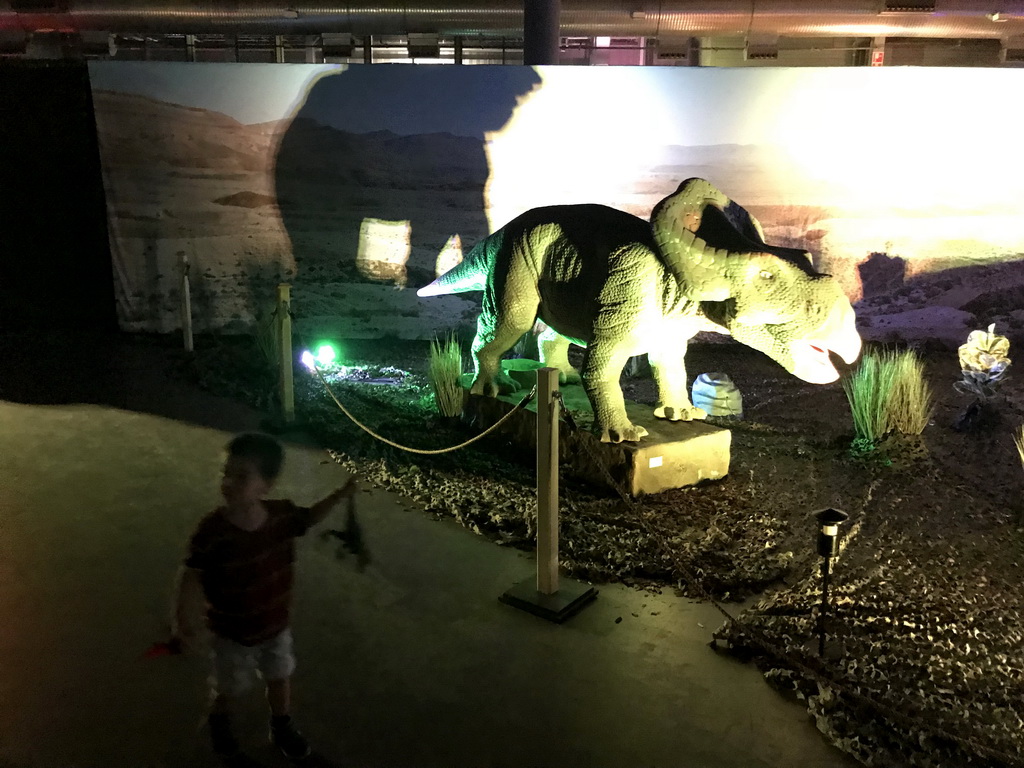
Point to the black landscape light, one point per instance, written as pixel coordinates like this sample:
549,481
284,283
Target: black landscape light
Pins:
829,521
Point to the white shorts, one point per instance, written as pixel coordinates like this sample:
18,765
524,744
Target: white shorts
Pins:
234,666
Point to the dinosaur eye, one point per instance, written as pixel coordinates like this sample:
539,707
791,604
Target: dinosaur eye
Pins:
766,275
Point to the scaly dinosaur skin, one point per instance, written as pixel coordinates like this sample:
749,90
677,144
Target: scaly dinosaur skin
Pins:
621,286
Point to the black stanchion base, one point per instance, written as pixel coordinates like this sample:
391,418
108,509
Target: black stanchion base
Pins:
570,598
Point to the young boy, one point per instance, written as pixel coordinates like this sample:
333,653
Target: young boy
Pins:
240,561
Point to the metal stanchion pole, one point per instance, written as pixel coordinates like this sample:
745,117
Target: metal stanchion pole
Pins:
287,373
545,596
547,481
826,564
186,304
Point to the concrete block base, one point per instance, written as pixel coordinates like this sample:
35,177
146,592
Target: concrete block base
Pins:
673,455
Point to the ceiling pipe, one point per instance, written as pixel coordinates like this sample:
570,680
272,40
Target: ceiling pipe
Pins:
996,19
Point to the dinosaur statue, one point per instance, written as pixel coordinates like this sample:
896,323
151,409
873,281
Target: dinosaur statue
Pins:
620,286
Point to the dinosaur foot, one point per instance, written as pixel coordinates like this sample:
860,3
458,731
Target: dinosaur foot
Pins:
572,376
680,413
500,385
630,433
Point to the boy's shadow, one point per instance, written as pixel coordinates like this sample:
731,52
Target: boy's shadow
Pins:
272,759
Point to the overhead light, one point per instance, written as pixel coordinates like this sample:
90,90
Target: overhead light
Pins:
423,45
1013,49
338,44
638,15
998,17
290,13
761,46
908,6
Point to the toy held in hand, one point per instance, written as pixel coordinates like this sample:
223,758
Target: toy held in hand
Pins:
351,537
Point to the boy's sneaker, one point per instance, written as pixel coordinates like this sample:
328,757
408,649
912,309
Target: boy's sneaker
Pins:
224,742
286,737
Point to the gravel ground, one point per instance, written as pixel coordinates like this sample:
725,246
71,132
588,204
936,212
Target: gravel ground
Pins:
924,664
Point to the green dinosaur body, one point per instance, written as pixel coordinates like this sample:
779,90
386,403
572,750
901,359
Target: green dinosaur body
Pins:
620,286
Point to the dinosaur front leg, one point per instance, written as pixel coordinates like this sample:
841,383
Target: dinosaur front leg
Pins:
668,365
554,353
602,367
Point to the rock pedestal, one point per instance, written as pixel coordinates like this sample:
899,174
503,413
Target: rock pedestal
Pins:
673,455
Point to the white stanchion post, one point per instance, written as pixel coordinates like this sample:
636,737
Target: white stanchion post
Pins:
548,596
186,304
547,481
284,318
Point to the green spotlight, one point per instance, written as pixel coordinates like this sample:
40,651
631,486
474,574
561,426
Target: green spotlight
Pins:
325,354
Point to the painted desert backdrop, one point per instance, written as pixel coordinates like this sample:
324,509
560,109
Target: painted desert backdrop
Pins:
358,185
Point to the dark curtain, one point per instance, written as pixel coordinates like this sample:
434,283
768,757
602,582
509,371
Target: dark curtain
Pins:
55,269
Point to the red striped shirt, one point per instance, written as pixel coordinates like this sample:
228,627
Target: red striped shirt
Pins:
247,575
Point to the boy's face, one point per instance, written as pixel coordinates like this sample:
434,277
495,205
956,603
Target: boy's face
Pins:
242,485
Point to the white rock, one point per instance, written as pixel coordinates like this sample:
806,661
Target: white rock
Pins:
717,394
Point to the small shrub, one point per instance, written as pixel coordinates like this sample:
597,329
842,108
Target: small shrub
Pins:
445,375
888,392
868,389
265,335
911,404
1018,440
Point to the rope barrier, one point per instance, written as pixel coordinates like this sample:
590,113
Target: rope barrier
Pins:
757,637
519,406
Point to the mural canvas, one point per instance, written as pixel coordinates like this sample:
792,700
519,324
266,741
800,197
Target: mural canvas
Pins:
359,184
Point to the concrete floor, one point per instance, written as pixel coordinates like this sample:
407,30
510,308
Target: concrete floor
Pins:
412,663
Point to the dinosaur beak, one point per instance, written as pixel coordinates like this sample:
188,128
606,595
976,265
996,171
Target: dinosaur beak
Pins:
839,334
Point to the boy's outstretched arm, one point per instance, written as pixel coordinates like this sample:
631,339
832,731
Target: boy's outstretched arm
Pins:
322,508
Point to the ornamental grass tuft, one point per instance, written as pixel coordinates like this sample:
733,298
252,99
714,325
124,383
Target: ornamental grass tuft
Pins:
868,389
1018,440
445,373
265,334
911,404
888,392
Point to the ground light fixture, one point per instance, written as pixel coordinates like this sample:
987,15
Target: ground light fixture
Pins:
323,354
829,521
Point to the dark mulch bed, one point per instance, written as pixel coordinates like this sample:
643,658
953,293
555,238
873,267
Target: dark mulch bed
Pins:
925,655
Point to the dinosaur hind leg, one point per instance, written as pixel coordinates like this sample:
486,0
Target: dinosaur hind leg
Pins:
554,352
500,326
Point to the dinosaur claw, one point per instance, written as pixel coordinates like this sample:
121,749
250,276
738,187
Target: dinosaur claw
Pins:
676,413
485,388
501,385
630,433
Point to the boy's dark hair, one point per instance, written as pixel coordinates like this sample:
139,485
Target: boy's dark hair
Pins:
265,451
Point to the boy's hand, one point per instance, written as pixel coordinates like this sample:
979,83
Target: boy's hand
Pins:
184,636
348,489
323,507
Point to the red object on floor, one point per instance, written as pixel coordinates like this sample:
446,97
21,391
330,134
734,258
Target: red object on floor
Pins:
170,647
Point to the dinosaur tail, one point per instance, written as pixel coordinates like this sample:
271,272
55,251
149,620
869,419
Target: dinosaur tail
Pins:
469,275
